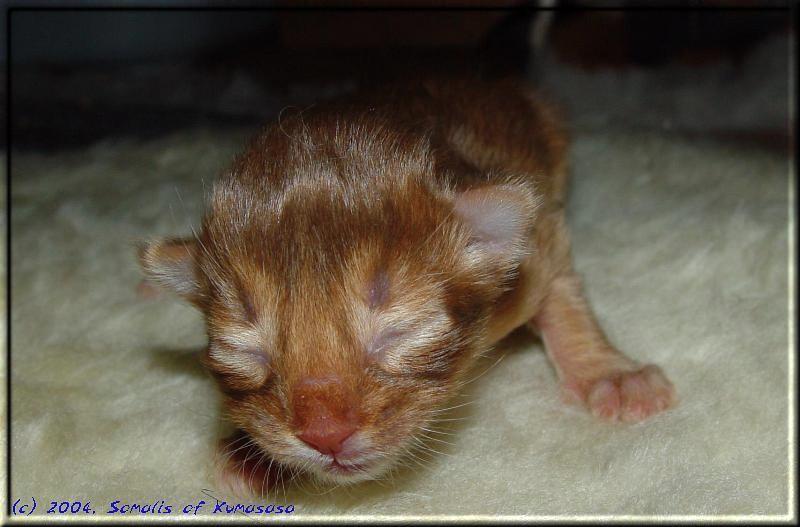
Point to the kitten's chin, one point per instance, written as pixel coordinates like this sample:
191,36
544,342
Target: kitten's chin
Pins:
347,474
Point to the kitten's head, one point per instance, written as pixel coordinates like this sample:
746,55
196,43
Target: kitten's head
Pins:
346,288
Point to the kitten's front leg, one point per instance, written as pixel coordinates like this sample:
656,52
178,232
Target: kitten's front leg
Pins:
593,372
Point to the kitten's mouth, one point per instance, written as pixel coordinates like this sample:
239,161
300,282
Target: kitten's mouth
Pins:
345,469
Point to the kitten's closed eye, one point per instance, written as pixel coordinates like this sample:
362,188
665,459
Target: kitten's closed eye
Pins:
239,354
384,341
402,342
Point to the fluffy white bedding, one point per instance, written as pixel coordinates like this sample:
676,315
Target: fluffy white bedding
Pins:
683,244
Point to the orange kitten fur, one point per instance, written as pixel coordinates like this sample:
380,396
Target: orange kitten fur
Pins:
359,256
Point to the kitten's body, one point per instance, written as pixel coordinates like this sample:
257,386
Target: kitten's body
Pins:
360,255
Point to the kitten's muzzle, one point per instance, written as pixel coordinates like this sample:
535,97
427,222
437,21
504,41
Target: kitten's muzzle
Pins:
325,414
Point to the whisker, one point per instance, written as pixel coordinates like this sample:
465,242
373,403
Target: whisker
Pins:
436,431
253,471
416,459
437,440
421,445
230,454
442,419
442,410
461,385
244,463
266,474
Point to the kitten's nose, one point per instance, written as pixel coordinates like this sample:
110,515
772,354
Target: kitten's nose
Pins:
324,414
327,437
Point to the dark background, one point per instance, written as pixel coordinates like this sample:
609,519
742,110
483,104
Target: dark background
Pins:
82,76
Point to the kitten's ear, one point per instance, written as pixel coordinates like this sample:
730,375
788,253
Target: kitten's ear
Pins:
500,218
172,264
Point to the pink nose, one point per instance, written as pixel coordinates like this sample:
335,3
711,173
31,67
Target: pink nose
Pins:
324,414
327,437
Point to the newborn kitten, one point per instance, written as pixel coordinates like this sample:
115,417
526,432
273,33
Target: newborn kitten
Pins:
360,255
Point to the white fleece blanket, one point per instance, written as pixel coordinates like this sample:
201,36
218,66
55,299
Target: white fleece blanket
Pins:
683,244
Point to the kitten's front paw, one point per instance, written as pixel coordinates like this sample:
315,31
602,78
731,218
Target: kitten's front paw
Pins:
243,469
628,396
